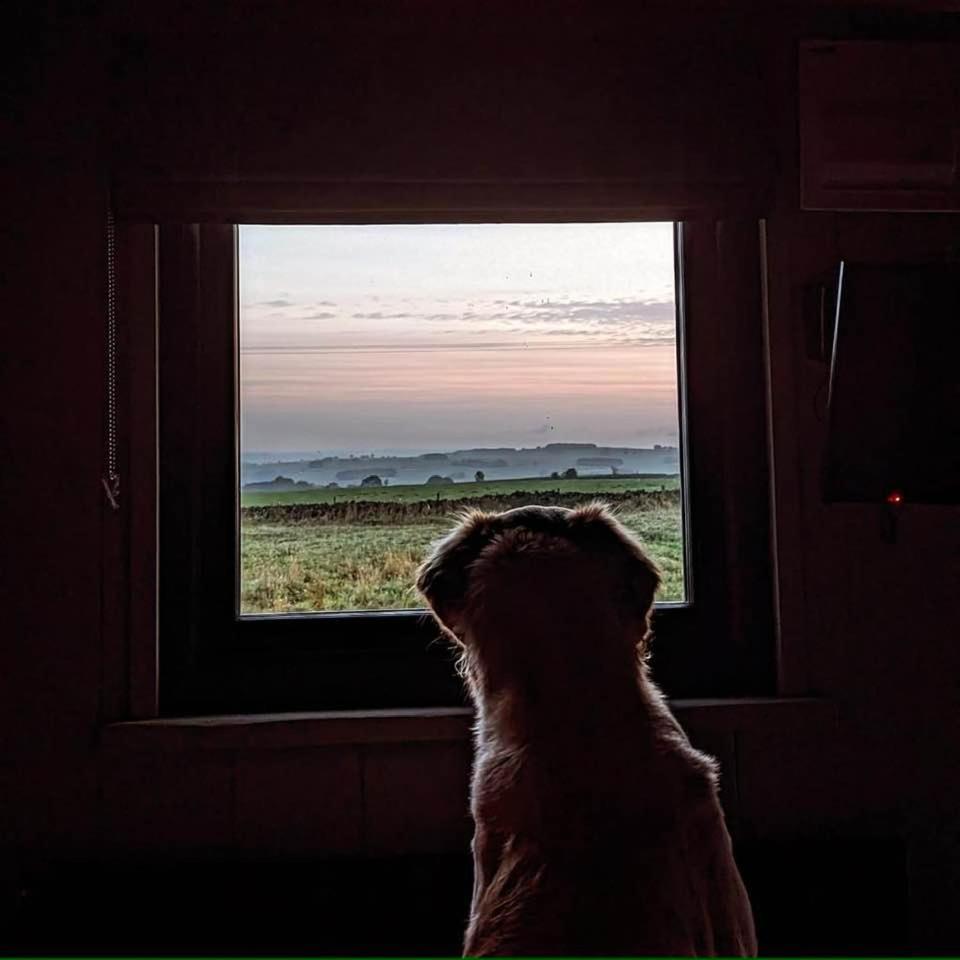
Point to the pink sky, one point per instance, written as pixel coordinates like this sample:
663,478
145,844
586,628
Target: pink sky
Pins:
434,337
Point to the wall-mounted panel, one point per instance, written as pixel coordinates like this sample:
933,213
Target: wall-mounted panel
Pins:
879,125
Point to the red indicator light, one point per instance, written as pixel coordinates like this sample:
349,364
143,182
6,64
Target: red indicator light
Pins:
895,497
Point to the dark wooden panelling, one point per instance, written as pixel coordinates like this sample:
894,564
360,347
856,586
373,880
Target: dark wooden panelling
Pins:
169,804
416,798
788,780
488,92
299,803
51,451
879,628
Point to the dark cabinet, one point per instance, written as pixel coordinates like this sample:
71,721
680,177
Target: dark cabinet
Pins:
879,125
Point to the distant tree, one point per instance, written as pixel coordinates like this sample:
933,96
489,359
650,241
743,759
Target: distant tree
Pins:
435,478
479,476
372,481
570,473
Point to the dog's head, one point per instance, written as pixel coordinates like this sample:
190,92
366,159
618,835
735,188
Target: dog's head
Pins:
541,585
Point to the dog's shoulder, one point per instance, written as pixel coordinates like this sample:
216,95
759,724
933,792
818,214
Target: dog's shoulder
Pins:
697,771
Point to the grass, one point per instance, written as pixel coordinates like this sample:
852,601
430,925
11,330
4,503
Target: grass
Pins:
351,566
300,560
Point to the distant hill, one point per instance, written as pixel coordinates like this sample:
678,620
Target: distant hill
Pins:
279,485
497,463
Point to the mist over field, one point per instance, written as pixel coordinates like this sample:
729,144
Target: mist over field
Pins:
498,463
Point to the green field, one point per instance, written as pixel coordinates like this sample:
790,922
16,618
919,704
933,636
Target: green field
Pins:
591,486
358,548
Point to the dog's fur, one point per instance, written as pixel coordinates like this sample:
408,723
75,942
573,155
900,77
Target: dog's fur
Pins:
597,825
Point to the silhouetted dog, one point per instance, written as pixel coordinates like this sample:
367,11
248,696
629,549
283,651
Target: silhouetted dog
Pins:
598,828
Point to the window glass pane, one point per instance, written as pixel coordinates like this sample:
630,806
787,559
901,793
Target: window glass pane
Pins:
393,375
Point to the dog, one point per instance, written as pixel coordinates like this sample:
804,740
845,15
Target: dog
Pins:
598,828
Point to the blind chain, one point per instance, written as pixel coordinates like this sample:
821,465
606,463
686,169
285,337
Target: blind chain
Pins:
111,480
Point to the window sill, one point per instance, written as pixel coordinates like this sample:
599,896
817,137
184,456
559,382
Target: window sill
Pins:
291,730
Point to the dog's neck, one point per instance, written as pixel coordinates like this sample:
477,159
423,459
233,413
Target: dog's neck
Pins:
545,711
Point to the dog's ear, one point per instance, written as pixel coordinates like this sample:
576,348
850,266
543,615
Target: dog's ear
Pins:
595,523
444,577
643,578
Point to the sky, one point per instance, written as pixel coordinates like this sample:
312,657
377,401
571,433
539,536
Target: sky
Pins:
432,337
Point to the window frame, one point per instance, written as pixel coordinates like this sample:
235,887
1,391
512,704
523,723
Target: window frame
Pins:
719,643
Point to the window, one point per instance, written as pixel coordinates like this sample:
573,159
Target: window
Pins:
222,646
394,375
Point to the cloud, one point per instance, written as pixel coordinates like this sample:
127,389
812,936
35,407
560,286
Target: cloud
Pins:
598,311
305,349
656,316
283,301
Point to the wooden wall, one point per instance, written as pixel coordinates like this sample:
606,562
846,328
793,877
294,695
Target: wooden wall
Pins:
697,99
